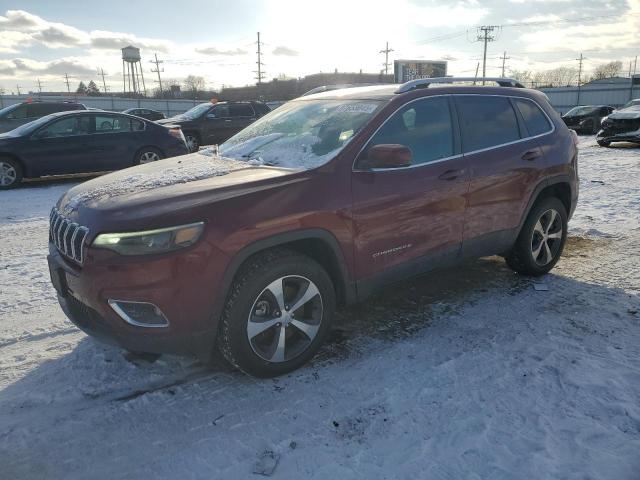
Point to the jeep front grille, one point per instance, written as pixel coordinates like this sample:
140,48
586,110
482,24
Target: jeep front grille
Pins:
67,236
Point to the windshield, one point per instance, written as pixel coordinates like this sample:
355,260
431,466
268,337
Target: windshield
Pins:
301,134
576,111
27,128
6,110
196,111
632,103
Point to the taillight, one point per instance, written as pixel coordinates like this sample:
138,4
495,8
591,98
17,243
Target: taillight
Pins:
177,132
576,139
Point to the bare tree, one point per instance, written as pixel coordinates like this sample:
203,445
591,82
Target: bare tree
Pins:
607,70
195,84
556,77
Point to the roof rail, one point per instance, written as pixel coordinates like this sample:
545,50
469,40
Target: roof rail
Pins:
425,82
328,88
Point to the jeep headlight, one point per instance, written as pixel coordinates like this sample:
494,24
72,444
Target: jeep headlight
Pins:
148,242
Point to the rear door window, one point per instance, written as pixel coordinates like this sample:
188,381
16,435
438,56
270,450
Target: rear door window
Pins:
241,110
112,124
535,120
486,121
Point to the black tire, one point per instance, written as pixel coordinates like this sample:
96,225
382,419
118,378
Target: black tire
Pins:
10,173
521,258
247,290
603,143
147,155
193,141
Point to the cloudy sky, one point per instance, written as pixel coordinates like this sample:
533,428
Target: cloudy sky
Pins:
215,38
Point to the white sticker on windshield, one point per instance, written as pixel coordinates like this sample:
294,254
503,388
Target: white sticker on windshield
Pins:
357,108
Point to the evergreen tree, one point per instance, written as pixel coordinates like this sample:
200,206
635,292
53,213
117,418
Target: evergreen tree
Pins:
82,89
92,89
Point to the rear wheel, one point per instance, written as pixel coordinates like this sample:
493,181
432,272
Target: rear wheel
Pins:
148,155
541,241
604,143
278,313
10,173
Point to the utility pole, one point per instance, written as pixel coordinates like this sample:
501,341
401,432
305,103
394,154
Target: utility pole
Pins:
635,64
386,52
259,72
39,88
485,37
18,88
580,60
104,84
477,68
157,70
504,59
66,80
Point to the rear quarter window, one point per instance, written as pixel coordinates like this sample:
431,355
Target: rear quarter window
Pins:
535,120
486,121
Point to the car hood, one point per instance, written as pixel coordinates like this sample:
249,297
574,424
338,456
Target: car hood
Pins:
176,119
625,114
168,186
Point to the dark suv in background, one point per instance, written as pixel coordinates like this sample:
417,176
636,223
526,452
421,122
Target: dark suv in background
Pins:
213,123
320,203
15,115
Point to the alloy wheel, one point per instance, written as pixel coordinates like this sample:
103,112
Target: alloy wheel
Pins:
285,318
148,157
547,237
192,143
8,174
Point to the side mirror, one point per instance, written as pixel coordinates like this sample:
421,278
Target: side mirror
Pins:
388,155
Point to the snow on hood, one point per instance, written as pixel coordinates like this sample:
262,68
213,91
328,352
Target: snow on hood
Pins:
279,150
184,169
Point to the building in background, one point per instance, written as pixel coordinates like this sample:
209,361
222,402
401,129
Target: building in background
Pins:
406,70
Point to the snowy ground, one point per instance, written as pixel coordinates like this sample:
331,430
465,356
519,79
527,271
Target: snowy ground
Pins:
476,376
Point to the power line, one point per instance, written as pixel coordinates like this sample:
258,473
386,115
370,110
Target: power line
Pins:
386,52
157,70
260,74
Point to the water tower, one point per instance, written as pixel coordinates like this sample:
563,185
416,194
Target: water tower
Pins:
132,71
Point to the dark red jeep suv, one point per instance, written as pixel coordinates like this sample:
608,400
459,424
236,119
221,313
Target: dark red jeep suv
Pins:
330,197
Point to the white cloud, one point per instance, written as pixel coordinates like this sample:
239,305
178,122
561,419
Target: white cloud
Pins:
216,51
286,51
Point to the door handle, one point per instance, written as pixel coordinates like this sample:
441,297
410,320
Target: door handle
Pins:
227,121
531,155
451,174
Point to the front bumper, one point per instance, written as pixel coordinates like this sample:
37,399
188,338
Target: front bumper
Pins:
609,136
178,283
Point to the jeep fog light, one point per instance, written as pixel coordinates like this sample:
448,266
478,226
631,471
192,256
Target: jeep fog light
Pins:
140,314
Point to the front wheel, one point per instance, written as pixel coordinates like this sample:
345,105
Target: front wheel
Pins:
603,143
278,313
541,241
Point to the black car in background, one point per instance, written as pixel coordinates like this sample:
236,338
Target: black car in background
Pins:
213,123
15,115
623,125
83,142
146,113
586,118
